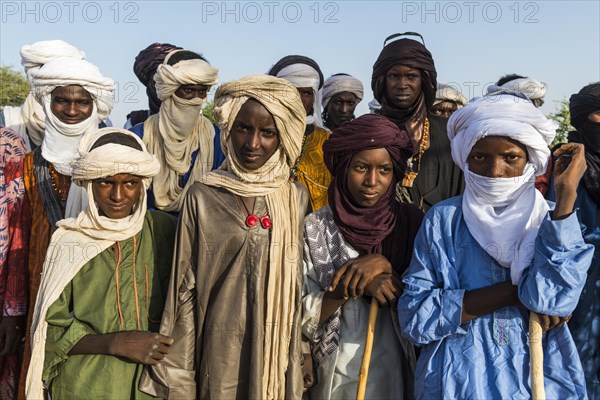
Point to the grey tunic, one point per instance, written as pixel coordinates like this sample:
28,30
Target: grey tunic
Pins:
216,303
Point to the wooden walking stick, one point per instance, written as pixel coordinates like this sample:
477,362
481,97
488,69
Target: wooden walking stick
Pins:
536,357
366,360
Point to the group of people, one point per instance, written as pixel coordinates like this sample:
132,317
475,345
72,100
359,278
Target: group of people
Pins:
184,258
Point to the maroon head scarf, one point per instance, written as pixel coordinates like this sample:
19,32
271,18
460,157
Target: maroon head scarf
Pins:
412,54
365,228
145,66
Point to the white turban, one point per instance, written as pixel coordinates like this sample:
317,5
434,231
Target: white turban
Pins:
28,119
448,93
39,53
501,115
531,88
61,139
87,235
338,84
169,78
503,214
69,71
302,75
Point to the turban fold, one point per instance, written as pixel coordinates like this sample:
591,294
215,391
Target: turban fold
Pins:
503,214
39,53
365,228
531,88
145,66
169,78
448,93
338,84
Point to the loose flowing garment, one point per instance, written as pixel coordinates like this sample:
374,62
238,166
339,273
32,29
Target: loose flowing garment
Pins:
340,340
14,235
91,304
488,357
585,322
215,311
311,169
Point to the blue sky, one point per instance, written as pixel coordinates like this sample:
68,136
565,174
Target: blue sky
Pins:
473,42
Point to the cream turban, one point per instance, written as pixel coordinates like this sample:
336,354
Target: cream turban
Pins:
501,115
448,93
278,96
531,88
169,78
338,84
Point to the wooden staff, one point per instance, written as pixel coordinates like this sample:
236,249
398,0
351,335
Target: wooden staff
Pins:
536,357
366,360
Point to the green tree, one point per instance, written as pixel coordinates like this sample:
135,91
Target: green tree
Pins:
14,87
563,117
208,111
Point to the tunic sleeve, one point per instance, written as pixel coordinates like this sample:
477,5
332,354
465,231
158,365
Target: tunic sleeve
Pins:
429,308
64,331
555,280
174,377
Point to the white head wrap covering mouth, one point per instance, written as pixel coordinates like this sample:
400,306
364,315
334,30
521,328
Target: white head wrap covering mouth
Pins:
179,129
78,240
282,100
531,88
28,119
60,139
338,84
448,93
301,76
503,214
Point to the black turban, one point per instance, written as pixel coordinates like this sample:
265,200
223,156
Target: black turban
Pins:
145,66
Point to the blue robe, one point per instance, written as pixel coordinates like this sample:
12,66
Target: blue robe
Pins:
585,323
488,357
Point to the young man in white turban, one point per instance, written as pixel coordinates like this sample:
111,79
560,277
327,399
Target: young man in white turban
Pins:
183,140
105,279
76,97
309,169
482,261
340,95
28,119
234,300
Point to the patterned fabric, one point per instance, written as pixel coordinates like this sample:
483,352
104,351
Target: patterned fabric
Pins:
327,251
311,170
39,239
14,232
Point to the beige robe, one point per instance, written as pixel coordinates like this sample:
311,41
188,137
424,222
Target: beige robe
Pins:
216,303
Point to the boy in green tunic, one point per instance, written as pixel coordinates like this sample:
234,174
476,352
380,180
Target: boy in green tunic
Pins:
105,279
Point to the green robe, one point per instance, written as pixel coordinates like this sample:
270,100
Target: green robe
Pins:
89,305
